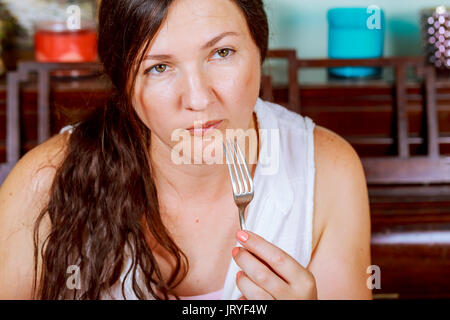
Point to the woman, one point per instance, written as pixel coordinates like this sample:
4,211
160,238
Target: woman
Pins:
109,204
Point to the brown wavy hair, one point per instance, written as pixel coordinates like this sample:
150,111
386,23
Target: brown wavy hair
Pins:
103,197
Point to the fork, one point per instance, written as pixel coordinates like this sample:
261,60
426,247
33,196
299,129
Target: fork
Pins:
242,191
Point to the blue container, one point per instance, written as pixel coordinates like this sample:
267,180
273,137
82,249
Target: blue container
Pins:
355,33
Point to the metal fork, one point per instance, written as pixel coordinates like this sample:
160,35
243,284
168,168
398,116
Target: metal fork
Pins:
242,191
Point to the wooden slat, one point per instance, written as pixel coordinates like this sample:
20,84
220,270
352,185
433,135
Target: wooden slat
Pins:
375,62
419,170
43,105
12,119
291,56
401,114
431,113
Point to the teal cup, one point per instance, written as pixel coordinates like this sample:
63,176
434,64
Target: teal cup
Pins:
355,33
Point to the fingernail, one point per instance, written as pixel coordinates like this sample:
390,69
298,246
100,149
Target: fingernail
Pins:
238,274
235,251
242,235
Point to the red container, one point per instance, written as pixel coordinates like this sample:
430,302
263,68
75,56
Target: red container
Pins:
54,42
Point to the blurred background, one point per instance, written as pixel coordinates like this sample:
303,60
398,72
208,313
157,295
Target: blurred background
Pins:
296,23
376,73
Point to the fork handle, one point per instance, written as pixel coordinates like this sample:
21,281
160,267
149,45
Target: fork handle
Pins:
241,218
242,223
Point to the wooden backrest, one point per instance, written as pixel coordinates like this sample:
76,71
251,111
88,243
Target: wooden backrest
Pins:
14,78
401,168
290,55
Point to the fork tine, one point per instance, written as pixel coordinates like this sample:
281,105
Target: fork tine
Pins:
240,160
233,180
249,177
233,153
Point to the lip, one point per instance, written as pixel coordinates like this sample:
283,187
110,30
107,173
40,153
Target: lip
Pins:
206,127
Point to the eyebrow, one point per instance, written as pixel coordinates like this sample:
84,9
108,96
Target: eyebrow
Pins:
208,44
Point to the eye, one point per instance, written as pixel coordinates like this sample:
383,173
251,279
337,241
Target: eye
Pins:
159,68
225,52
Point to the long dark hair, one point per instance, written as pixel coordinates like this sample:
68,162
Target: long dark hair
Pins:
103,197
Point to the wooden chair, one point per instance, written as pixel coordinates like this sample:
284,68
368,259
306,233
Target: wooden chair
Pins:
290,55
14,78
402,168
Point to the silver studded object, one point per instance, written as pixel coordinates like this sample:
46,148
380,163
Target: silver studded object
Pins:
435,25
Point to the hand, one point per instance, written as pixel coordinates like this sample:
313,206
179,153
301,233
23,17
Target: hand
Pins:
269,273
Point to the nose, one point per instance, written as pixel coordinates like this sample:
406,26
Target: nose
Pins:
198,93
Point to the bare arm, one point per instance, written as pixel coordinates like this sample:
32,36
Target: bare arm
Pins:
22,197
340,261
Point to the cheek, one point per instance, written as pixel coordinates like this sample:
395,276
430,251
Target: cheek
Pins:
240,89
154,107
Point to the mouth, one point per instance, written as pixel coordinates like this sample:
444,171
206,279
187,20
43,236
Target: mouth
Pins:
208,126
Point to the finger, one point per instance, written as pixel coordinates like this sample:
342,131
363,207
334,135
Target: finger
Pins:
278,260
260,274
249,289
242,298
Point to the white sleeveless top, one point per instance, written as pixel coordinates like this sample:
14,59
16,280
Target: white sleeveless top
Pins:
282,207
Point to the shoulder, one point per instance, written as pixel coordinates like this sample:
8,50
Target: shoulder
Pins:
28,183
338,168
340,190
333,153
342,216
35,170
23,195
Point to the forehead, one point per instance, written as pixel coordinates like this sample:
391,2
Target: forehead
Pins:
194,22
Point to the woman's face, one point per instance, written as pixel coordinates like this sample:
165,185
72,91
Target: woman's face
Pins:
201,65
